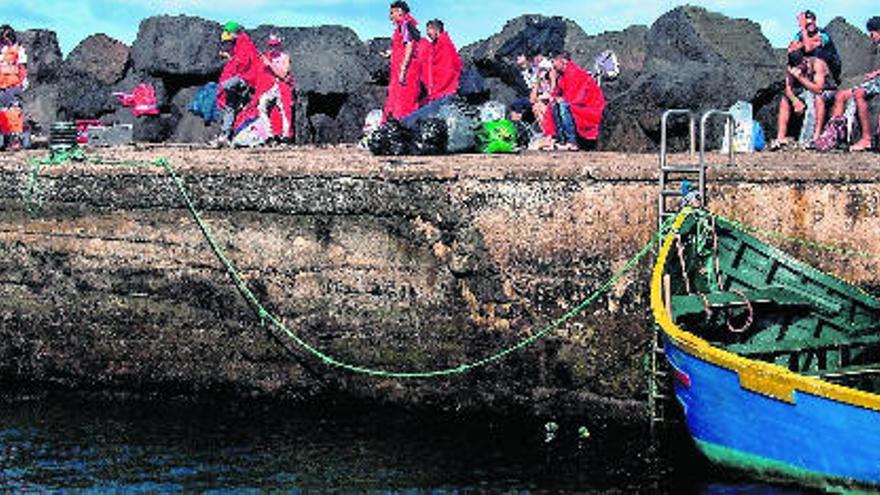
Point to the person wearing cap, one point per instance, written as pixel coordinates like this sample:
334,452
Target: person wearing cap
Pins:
239,75
441,64
860,95
276,101
576,110
809,36
405,84
816,42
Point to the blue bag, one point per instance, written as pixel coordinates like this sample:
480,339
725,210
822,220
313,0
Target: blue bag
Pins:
204,104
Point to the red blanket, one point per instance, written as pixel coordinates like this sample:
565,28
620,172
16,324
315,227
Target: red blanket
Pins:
245,63
577,87
403,99
441,67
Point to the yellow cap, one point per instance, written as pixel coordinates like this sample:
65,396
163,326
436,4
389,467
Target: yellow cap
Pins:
226,36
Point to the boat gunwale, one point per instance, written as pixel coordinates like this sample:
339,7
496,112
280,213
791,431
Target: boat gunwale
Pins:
756,376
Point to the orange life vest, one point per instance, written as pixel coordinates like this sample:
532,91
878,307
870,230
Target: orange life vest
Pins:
12,66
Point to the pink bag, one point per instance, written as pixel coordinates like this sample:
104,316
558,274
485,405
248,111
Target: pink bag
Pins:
833,135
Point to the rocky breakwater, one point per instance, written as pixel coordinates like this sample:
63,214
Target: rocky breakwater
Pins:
336,83
408,265
688,58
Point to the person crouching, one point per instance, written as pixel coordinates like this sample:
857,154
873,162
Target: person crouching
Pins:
576,110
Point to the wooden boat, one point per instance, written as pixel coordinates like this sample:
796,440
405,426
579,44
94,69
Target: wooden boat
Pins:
776,365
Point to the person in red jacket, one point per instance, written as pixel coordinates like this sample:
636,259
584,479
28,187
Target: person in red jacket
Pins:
441,64
240,75
13,81
276,102
577,106
405,84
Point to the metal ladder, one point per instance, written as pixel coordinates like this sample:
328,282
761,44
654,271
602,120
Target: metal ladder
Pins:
672,178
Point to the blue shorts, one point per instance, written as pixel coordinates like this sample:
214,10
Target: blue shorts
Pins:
872,87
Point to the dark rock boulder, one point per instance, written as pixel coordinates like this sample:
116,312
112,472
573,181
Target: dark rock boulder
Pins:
698,35
83,96
496,56
335,118
498,91
192,129
41,106
100,56
379,66
696,59
519,35
855,48
325,59
179,105
630,45
179,45
44,54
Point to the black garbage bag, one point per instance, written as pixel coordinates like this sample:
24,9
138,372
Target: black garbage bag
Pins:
392,139
432,137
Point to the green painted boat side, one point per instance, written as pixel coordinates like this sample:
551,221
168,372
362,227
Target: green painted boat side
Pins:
752,299
776,471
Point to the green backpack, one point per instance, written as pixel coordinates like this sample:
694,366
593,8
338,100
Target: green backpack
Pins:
497,137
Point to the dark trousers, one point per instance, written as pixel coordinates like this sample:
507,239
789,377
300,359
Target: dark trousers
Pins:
566,132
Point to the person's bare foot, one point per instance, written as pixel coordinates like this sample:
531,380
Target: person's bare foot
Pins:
863,145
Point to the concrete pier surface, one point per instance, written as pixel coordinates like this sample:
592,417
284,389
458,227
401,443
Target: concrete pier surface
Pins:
405,264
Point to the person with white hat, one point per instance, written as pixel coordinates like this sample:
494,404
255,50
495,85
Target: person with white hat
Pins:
279,96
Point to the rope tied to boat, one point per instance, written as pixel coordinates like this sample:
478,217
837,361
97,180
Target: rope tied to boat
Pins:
751,319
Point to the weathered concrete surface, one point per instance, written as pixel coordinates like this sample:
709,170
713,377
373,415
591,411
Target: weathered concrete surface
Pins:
409,265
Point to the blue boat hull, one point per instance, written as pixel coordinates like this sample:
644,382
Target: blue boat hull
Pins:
816,440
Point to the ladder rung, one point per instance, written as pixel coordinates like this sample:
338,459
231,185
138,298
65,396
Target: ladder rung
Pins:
671,194
681,170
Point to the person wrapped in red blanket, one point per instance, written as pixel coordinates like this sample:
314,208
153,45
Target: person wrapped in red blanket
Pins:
239,78
441,64
276,102
405,84
576,112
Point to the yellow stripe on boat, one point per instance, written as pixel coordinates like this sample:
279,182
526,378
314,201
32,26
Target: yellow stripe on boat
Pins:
756,376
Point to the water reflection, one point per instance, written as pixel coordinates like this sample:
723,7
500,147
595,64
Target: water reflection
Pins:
59,445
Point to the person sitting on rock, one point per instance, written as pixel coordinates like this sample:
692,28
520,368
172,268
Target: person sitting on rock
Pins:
441,64
808,77
13,81
816,42
836,128
576,110
276,101
405,84
238,81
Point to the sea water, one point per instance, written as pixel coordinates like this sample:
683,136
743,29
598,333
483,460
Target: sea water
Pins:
74,445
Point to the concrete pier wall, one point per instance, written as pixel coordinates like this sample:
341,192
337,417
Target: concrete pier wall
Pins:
407,265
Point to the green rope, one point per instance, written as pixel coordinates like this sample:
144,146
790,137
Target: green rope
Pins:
34,201
33,196
831,248
265,315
